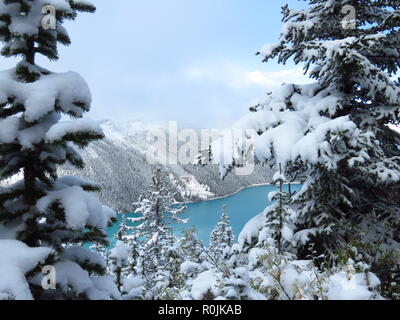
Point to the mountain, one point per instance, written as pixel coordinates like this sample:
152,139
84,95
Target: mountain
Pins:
120,165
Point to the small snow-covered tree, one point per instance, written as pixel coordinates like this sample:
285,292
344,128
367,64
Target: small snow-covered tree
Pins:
279,215
279,275
158,211
43,210
193,249
123,229
129,236
196,258
172,279
222,236
120,255
119,261
101,250
234,278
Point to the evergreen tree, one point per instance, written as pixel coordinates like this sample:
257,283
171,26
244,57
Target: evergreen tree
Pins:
221,237
279,225
357,164
119,259
101,250
43,210
134,244
129,236
123,229
333,134
158,211
234,278
192,247
119,262
173,280
196,257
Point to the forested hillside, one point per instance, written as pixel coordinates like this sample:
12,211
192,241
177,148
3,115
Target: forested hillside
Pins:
118,164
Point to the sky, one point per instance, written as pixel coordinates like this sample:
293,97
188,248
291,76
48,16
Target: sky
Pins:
191,61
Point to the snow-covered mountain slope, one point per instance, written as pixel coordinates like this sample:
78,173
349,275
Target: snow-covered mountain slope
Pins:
119,164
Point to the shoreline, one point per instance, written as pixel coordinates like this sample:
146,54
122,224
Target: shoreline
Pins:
234,193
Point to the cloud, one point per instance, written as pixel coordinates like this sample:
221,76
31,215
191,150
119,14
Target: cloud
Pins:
208,94
272,80
239,77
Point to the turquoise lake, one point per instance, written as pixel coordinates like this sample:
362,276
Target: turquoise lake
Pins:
204,215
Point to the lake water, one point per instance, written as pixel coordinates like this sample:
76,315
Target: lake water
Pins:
205,215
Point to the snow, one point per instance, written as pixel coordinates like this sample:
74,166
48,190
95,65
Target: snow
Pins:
81,208
204,283
43,100
31,136
104,289
58,131
81,255
134,286
343,286
75,181
301,133
272,195
64,90
394,127
287,233
267,50
251,230
30,25
255,254
9,129
189,267
70,274
278,176
296,275
16,260
192,189
120,253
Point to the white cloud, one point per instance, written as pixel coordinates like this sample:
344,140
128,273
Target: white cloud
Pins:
237,76
274,79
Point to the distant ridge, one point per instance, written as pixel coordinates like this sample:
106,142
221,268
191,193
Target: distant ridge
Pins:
118,163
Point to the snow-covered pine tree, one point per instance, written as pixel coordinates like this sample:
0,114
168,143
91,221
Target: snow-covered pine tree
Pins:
279,216
173,280
123,230
234,279
133,242
352,158
130,237
119,261
334,132
43,210
101,250
193,249
196,256
122,236
158,211
221,269
221,237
